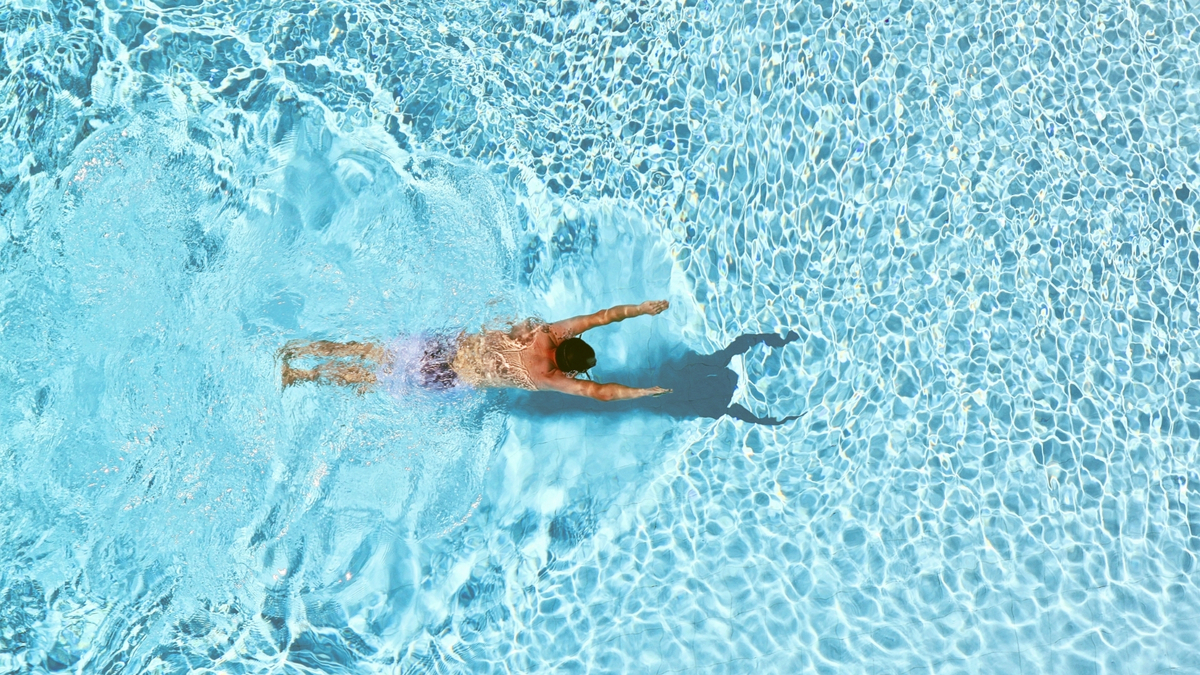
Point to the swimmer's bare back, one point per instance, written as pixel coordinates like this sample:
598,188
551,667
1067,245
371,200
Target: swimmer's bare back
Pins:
529,357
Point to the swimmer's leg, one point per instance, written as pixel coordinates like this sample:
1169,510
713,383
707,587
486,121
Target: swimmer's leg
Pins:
368,351
342,375
358,377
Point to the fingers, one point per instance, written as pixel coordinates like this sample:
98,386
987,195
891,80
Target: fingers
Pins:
656,306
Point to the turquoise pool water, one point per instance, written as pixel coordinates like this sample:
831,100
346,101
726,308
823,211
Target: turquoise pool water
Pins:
979,218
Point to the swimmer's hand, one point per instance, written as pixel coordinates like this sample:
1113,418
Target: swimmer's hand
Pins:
653,307
656,391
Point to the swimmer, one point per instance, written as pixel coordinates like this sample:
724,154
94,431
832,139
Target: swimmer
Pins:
533,355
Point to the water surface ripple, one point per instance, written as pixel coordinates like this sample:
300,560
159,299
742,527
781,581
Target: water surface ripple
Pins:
980,219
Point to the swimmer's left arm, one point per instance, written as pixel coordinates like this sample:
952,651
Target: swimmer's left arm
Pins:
576,325
601,392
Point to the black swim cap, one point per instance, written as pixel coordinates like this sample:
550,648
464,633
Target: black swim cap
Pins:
574,356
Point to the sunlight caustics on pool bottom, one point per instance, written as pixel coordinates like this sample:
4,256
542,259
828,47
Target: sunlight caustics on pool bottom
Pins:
980,220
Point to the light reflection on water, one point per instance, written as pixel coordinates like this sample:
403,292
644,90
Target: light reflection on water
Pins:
978,219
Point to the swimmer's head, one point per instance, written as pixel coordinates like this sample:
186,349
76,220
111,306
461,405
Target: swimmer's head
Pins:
574,356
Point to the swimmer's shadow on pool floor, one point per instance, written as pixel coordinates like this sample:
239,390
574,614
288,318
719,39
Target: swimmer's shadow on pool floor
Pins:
702,384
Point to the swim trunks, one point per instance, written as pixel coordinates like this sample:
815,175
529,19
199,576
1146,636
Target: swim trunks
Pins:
419,362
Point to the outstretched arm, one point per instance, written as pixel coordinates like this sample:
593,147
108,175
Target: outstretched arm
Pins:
576,325
601,392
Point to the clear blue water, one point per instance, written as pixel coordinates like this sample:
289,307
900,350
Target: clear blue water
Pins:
980,218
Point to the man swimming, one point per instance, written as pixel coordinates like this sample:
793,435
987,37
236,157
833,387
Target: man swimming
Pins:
533,355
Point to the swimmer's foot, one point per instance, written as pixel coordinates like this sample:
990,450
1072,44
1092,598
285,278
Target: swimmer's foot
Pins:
293,375
290,350
288,378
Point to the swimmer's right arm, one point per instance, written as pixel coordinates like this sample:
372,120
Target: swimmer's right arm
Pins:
577,325
601,392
